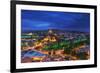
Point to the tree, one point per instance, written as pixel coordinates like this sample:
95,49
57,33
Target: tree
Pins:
52,48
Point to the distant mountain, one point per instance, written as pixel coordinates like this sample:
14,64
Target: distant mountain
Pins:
54,30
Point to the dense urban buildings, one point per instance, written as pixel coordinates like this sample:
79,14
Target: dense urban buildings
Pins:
54,45
48,36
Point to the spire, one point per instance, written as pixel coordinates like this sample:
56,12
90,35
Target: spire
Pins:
50,31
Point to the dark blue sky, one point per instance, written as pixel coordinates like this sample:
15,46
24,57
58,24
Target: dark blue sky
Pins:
43,20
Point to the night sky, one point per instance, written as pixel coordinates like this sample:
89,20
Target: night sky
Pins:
43,20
